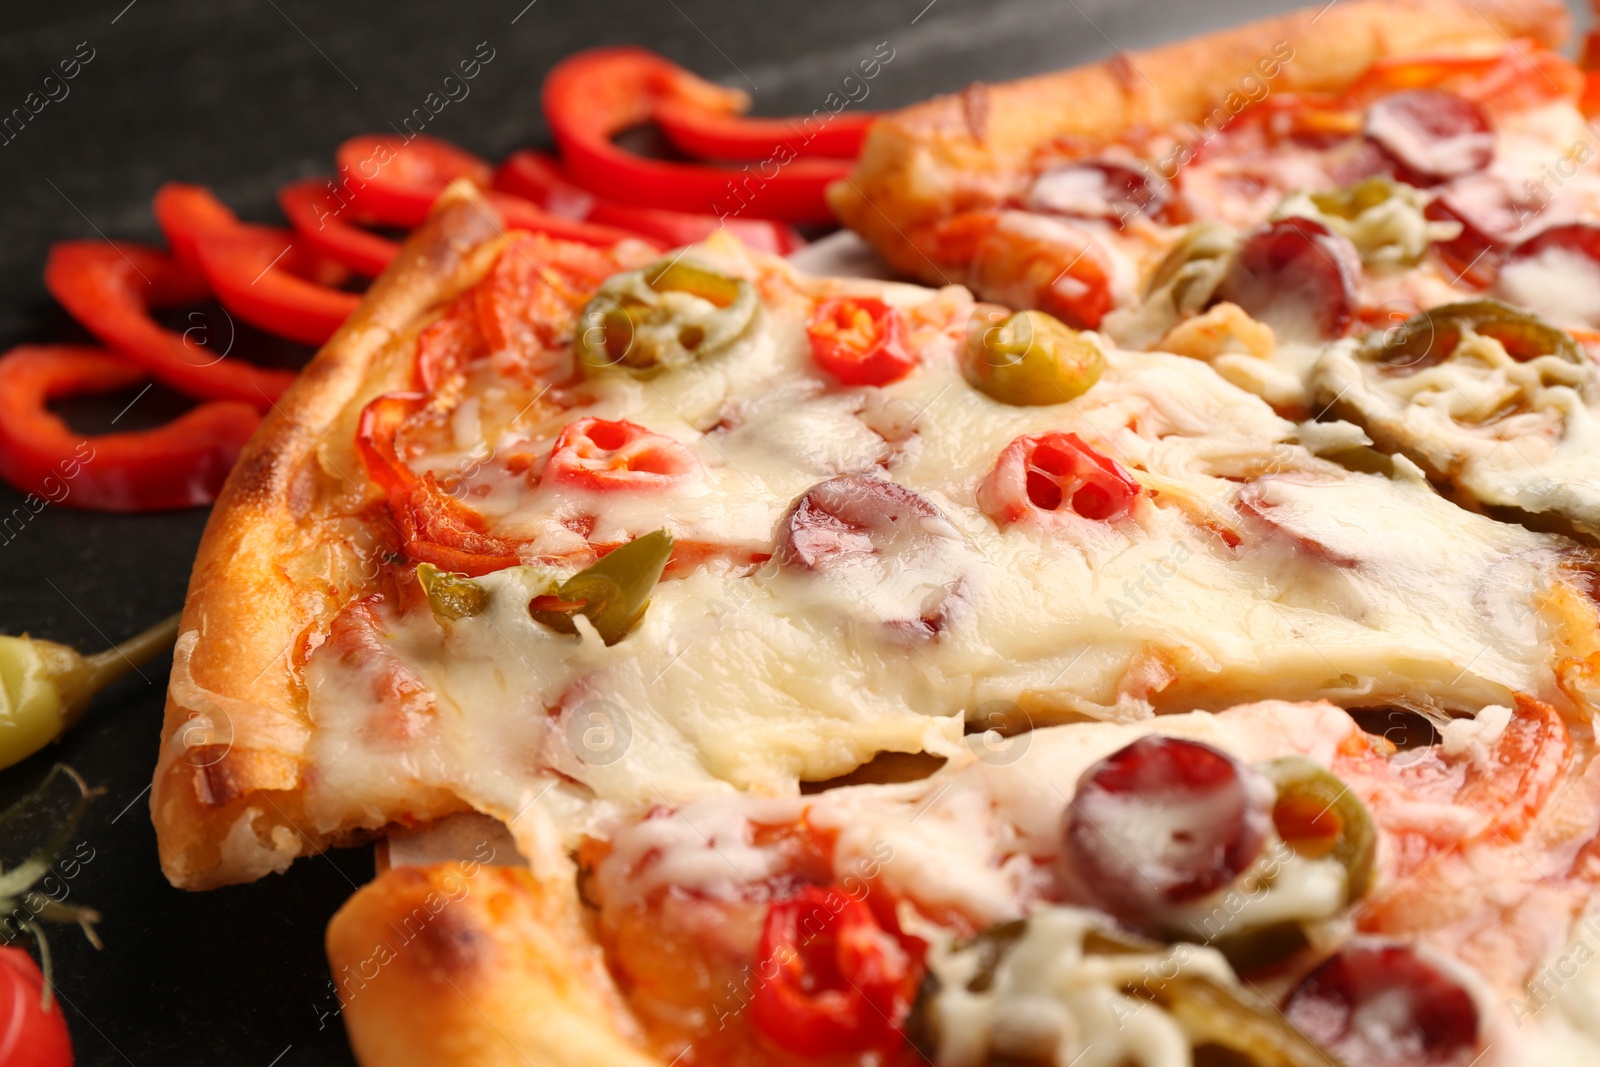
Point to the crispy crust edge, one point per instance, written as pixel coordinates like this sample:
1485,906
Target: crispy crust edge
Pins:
488,966
959,151
227,795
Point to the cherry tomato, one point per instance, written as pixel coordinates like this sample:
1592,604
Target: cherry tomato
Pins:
1056,473
1163,822
605,455
834,980
32,1030
1384,1006
860,341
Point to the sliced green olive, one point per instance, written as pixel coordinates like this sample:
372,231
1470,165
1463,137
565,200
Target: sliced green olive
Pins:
1351,201
666,316
1316,814
1195,267
612,594
1227,1026
1029,359
1431,338
451,596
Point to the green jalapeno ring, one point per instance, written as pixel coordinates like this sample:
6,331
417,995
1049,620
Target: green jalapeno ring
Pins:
666,316
1351,201
1431,337
1310,794
1029,359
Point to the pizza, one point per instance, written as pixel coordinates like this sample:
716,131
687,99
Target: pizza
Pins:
1167,637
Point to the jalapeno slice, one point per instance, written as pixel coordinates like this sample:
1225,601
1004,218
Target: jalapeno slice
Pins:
1351,201
1317,815
1431,338
451,596
1029,358
612,594
1192,271
663,317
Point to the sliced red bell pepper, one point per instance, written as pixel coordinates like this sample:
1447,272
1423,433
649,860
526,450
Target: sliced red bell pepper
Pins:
595,95
724,134
324,225
537,177
179,465
111,287
399,183
431,526
260,273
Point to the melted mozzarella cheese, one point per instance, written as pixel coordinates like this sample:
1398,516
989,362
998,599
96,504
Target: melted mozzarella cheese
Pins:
1248,569
1516,433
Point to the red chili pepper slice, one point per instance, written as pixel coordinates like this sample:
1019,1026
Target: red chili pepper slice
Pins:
860,341
593,96
111,287
179,465
722,133
406,179
833,980
605,455
1049,474
260,273
327,229
449,344
432,526
537,177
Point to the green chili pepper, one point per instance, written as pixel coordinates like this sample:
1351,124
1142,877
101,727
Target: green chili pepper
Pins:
45,687
1431,338
1350,202
1228,1025
451,596
21,905
1316,814
1030,359
1195,267
663,317
613,593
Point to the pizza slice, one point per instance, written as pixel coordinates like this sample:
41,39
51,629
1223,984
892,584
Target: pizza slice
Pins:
1266,885
551,531
1425,178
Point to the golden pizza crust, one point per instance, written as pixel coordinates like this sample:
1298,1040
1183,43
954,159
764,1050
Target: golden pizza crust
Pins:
965,151
465,964
285,547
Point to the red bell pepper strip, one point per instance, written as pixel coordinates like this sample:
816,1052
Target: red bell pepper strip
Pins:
181,464
431,526
111,287
260,273
328,230
537,177
398,186
724,134
593,96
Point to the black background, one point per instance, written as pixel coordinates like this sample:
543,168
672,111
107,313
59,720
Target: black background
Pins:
245,95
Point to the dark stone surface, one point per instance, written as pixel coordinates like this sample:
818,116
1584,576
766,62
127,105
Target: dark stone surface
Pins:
244,95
